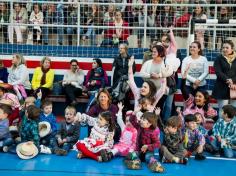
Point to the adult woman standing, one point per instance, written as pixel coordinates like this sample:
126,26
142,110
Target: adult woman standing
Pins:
43,78
198,69
155,69
225,66
19,76
73,82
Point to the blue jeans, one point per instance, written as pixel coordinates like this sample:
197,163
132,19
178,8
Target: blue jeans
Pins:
65,146
48,140
59,31
6,142
92,98
228,152
168,106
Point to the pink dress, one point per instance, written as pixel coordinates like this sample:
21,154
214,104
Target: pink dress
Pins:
127,141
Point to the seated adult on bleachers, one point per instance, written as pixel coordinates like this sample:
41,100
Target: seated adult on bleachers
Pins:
3,73
43,78
4,18
73,82
117,35
96,79
19,15
19,76
36,18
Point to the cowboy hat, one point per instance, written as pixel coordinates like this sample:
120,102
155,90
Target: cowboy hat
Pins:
26,150
6,101
44,129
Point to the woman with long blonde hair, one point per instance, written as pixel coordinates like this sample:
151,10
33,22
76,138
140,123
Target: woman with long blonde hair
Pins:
19,76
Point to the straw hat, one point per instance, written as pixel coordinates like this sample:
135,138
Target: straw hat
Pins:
26,150
44,129
6,101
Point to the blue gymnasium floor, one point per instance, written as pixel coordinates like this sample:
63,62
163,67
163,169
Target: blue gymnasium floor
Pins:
52,165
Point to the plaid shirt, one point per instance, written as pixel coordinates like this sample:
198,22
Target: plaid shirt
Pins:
29,131
226,130
193,138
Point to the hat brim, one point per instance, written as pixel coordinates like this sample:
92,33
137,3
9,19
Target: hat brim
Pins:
36,151
43,133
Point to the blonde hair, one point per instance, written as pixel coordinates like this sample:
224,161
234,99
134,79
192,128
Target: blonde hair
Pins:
1,64
30,99
21,59
44,59
71,108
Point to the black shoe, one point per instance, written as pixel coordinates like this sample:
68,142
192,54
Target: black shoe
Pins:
109,156
200,156
184,161
104,156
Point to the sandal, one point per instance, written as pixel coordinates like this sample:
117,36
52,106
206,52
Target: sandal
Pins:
156,167
133,164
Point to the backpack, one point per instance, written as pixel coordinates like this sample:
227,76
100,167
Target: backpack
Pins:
119,92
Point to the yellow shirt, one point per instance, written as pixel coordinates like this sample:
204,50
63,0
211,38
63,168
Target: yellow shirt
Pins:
37,78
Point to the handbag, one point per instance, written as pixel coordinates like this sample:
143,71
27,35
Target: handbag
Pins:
232,90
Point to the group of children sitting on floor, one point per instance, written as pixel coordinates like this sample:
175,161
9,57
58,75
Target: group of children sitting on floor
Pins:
141,134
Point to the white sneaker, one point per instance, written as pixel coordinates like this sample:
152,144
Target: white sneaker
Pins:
5,149
45,150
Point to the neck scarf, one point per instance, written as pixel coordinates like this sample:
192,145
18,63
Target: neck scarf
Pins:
43,79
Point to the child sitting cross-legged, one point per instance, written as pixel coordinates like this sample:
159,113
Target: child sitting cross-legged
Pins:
128,139
172,149
148,142
194,140
68,133
47,116
101,136
224,132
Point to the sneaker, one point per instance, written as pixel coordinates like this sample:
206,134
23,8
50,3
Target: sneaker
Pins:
5,149
156,167
104,156
133,164
131,156
45,150
99,159
184,161
80,155
200,156
109,156
60,151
